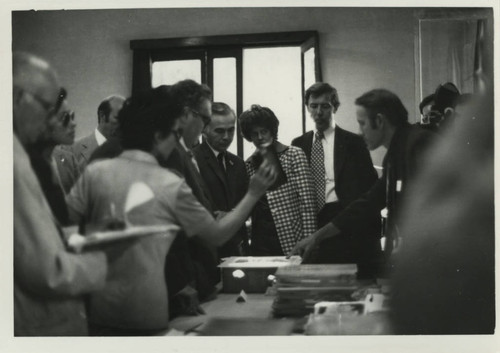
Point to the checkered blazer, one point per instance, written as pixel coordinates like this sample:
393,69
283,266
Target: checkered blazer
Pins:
292,205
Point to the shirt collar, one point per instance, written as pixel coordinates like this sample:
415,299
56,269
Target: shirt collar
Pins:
328,132
183,144
140,156
216,153
99,137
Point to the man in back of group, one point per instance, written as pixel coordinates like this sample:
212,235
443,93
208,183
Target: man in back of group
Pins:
49,281
223,171
72,160
342,170
383,121
438,109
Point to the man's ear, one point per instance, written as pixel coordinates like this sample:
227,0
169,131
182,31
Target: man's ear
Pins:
379,121
158,137
448,113
101,117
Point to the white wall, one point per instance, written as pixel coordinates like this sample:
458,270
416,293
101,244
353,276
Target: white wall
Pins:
361,48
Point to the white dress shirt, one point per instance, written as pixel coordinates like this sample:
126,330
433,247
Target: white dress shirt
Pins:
99,137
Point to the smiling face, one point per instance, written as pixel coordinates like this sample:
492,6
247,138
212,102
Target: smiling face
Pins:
372,134
62,126
320,109
220,132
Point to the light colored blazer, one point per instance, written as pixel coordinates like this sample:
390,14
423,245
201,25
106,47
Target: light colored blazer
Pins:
49,281
72,160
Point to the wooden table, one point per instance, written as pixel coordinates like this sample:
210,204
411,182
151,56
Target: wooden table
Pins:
259,306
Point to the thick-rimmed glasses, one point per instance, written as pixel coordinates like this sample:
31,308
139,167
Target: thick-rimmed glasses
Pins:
205,118
50,108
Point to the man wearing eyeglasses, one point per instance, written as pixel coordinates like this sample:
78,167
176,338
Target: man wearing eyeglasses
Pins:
195,99
72,160
342,169
49,281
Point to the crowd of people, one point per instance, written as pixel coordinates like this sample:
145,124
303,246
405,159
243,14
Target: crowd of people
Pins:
327,207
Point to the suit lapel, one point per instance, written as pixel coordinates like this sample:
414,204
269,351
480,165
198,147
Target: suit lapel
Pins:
214,165
339,152
88,146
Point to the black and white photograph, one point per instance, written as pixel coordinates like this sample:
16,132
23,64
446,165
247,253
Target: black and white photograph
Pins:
235,176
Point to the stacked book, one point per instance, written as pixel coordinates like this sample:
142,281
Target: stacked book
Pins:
299,287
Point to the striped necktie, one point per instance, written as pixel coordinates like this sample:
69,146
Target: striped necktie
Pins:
318,168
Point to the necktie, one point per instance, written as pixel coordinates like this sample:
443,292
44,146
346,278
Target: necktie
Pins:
318,169
220,159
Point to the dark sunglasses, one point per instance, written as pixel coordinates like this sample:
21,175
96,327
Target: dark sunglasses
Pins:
66,118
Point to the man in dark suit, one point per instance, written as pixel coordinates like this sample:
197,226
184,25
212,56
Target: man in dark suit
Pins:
72,160
383,121
342,169
223,172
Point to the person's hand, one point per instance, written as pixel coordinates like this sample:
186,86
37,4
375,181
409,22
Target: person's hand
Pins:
307,247
304,248
263,179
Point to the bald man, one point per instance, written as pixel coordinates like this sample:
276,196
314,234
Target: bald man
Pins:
49,281
72,160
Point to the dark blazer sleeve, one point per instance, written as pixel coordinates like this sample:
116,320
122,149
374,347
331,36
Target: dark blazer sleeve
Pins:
354,171
363,213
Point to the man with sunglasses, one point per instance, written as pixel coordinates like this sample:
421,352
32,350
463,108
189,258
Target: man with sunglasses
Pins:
342,169
72,160
49,281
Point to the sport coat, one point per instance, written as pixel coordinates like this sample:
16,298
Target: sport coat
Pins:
226,188
353,168
72,160
403,160
49,281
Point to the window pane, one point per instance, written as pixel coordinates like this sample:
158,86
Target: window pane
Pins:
272,78
309,80
170,72
225,87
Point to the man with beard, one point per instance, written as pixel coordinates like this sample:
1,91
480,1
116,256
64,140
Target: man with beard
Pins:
342,170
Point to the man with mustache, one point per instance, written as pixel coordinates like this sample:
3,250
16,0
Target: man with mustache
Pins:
342,169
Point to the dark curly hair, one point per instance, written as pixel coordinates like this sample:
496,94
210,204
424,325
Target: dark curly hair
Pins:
146,113
258,116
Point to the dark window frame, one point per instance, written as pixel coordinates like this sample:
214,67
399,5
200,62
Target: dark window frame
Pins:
206,48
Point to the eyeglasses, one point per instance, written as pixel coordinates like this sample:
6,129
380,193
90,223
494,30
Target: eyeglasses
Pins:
66,117
49,107
205,118
323,106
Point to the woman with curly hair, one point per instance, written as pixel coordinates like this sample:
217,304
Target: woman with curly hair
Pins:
287,214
